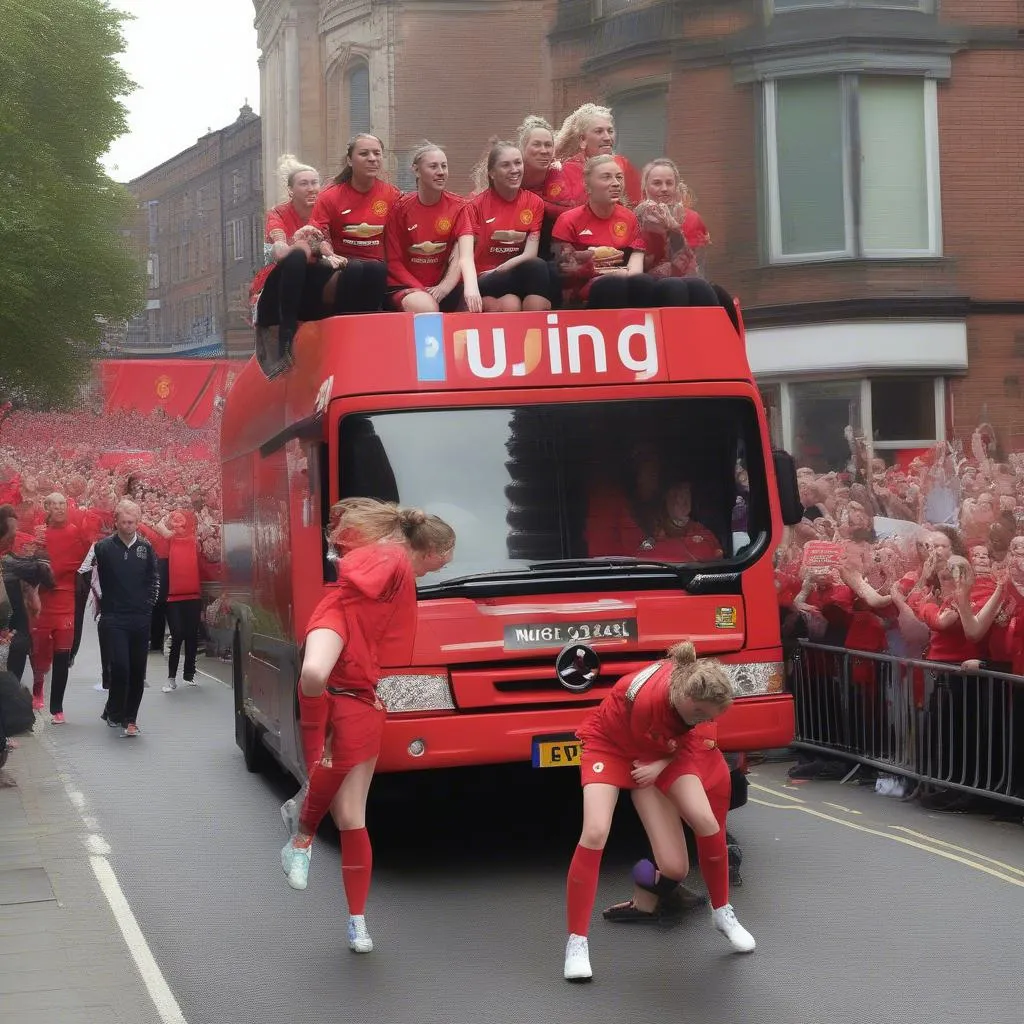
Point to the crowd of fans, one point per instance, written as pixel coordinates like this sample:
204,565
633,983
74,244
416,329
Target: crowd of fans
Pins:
921,558
94,459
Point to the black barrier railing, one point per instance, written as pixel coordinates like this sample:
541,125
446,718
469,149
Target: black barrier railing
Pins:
920,719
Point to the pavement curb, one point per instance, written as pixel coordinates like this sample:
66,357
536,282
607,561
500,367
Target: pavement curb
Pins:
63,956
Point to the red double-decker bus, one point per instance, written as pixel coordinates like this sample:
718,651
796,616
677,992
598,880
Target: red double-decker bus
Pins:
611,481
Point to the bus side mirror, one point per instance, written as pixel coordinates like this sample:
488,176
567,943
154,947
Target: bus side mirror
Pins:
789,491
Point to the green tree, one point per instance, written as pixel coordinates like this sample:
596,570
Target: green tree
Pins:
64,258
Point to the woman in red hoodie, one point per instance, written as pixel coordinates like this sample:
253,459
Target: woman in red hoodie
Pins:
373,603
184,593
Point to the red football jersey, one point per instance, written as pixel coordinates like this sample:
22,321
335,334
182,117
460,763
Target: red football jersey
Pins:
608,239
502,227
353,221
418,239
284,218
555,192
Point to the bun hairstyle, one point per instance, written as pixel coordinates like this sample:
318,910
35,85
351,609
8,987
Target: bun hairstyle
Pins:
701,679
289,165
530,124
358,521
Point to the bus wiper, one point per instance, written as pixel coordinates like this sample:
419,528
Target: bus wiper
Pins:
457,582
607,561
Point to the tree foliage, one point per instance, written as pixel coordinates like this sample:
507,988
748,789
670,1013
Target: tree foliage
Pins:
64,260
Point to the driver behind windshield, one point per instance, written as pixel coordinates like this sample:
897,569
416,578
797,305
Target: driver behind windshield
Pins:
676,536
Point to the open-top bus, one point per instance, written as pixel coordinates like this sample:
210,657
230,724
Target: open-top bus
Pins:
531,433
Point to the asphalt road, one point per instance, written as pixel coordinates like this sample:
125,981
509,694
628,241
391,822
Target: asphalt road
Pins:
865,909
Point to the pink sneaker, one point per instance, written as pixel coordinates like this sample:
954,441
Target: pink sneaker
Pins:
58,719
37,703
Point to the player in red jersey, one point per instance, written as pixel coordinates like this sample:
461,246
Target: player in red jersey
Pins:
542,176
53,632
373,603
649,736
351,214
428,241
506,221
289,288
598,246
674,233
587,132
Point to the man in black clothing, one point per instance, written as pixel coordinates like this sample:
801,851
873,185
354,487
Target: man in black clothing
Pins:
129,580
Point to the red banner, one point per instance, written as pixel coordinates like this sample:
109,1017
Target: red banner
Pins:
182,388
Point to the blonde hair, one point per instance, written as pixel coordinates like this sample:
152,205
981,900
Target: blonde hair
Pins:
686,196
594,162
289,165
422,150
373,521
129,506
531,123
698,679
575,126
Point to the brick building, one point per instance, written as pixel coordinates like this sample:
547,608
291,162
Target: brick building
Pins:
200,230
857,162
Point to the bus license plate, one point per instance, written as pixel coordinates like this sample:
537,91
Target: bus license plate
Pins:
557,752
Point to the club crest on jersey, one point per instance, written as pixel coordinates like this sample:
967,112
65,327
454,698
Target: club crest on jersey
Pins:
379,208
443,225
525,217
619,229
140,551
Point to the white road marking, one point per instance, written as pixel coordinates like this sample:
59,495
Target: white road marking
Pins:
159,991
152,977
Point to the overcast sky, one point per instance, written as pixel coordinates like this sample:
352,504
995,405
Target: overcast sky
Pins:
194,62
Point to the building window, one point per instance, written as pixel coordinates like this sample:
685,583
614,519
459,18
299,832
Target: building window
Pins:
359,98
236,239
237,185
606,8
903,411
852,168
640,121
153,269
821,411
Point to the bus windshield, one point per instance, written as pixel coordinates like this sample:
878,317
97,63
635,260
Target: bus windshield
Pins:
677,480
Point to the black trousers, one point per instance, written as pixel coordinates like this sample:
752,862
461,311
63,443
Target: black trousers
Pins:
17,655
183,619
642,290
83,587
128,647
529,278
104,658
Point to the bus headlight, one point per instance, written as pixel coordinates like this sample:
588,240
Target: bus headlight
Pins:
416,692
753,678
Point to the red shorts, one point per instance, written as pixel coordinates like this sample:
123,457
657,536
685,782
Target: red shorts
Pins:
50,634
356,728
613,769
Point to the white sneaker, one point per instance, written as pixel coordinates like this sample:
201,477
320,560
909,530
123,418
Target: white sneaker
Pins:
295,864
290,816
191,682
170,686
359,940
724,919
577,959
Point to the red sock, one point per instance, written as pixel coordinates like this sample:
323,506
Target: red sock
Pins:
581,889
313,726
714,867
356,867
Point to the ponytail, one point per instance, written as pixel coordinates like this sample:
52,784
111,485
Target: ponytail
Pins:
698,679
682,654
358,521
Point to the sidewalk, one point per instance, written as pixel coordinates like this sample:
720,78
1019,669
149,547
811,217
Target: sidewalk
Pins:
63,957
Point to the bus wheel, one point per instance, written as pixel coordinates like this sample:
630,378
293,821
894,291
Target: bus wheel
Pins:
253,750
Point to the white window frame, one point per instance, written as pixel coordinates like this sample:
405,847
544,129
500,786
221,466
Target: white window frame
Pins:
236,236
932,183
924,6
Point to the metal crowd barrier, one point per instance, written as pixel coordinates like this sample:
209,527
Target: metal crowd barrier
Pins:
922,720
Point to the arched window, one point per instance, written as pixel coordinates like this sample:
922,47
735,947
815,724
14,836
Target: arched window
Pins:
358,98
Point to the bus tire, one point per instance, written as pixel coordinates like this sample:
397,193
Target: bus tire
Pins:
253,750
